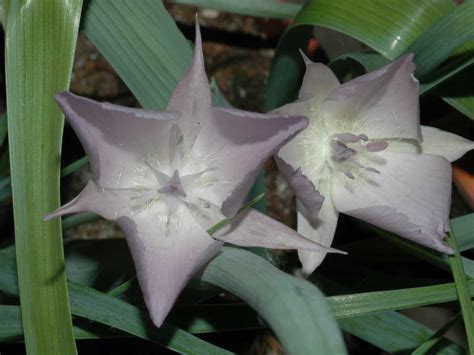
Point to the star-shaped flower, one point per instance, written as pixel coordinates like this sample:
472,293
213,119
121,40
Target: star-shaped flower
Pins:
366,153
167,177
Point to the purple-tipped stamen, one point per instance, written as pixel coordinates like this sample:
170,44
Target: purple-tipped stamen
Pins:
377,146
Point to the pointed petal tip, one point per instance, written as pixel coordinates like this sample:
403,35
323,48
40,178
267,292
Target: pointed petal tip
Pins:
337,251
444,248
49,217
62,97
198,37
55,214
157,319
306,60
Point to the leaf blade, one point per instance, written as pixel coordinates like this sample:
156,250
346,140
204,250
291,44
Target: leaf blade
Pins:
39,64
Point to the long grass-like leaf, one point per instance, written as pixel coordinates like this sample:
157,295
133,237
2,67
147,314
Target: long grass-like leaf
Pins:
40,44
462,288
386,26
359,312
436,337
290,306
260,8
389,28
438,42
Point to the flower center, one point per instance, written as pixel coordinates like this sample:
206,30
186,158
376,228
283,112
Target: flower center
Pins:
345,151
173,185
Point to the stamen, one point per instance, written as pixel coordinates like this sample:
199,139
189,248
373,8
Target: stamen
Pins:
348,174
346,151
341,151
372,170
348,138
377,146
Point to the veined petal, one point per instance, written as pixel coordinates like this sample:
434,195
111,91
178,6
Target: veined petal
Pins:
118,139
318,82
310,199
320,230
192,96
108,203
435,141
380,104
253,229
236,145
306,150
167,249
410,197
166,256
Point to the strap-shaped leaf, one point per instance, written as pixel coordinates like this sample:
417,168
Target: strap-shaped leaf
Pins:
386,26
40,39
260,8
440,40
390,28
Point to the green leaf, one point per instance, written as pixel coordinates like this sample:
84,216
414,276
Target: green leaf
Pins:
390,32
260,8
458,91
361,308
463,291
296,306
366,303
394,27
439,41
390,331
440,260
97,306
287,68
141,41
38,65
290,306
437,337
463,227
3,128
10,323
67,170
373,61
396,333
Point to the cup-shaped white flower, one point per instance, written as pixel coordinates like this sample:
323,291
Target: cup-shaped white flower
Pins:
167,177
365,152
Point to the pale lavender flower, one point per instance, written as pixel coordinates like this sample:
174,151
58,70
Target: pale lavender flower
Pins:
367,154
167,177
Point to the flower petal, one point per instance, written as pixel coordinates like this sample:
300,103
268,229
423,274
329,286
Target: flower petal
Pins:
306,150
166,256
310,199
236,145
410,197
167,250
108,203
117,139
380,104
435,141
251,228
192,96
320,230
318,81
